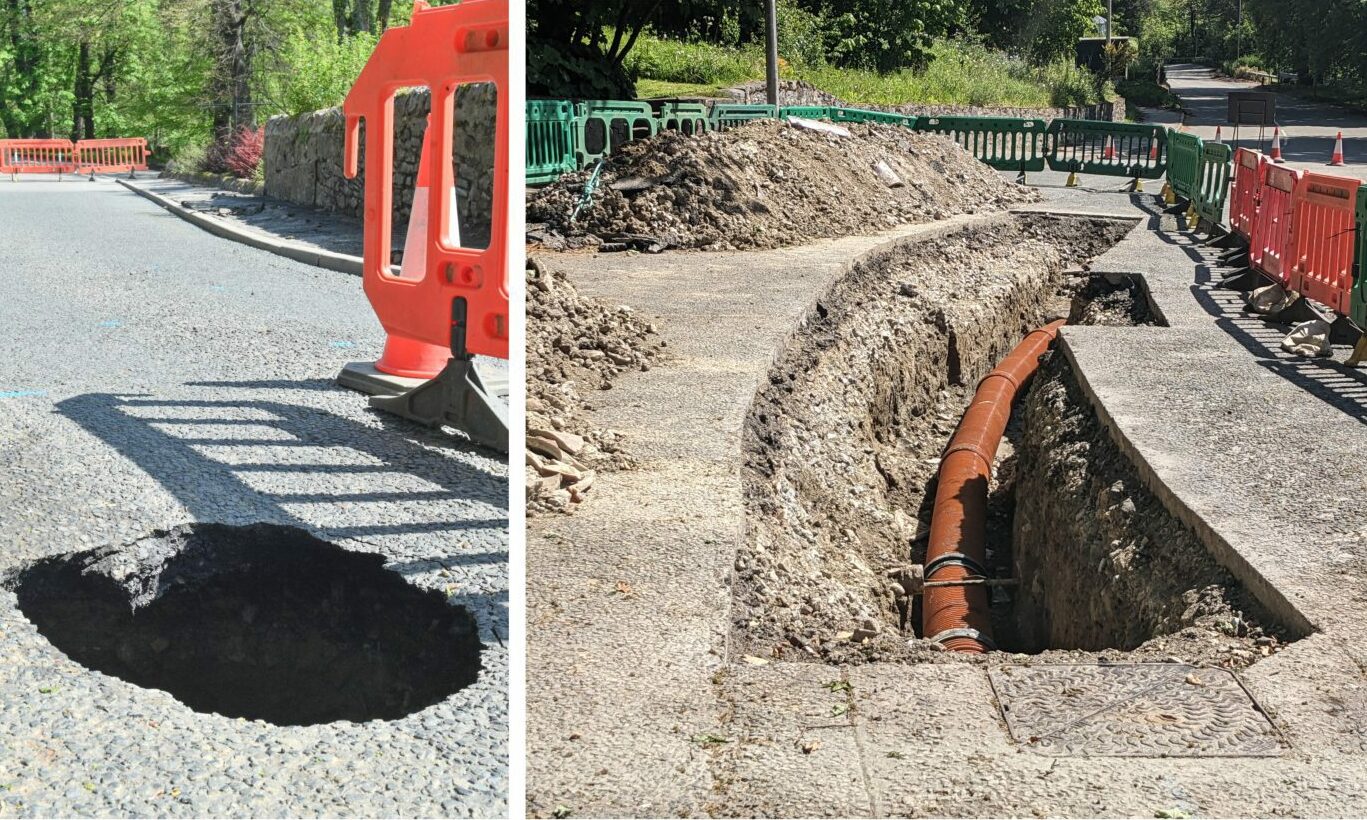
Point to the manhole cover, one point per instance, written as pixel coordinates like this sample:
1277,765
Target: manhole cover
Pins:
261,622
1133,710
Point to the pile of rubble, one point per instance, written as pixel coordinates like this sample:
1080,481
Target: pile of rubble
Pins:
574,344
766,184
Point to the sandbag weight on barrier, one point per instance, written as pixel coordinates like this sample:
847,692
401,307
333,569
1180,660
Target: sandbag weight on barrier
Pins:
1323,238
1273,226
459,302
1246,191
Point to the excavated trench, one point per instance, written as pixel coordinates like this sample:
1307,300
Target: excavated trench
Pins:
844,441
262,622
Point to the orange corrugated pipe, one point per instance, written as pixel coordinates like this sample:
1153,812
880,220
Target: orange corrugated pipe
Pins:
957,617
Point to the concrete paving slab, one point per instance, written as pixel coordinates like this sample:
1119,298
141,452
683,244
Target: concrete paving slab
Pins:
1227,430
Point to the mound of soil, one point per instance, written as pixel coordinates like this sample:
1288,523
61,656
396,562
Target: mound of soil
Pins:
574,344
769,184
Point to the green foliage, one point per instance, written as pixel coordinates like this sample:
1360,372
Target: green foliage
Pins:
701,63
801,35
321,72
957,72
886,35
1147,94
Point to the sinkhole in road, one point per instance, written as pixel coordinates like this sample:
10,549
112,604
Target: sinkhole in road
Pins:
844,441
262,622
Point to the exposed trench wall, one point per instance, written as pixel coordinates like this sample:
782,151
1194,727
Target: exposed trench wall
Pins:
303,159
843,440
1100,561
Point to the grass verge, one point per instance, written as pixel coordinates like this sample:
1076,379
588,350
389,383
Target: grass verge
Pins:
960,72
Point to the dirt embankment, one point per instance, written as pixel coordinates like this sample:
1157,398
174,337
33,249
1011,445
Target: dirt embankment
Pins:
575,347
844,440
769,184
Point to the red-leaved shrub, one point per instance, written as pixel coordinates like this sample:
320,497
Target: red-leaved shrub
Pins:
239,154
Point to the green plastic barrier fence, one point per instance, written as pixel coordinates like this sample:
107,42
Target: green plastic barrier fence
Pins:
1117,149
726,115
550,140
1215,170
810,112
606,125
1184,163
1004,143
1358,307
688,117
865,115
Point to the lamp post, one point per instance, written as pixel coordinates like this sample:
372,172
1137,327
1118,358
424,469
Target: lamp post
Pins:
771,52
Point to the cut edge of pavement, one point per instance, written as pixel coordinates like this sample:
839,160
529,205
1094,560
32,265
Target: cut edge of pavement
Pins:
340,262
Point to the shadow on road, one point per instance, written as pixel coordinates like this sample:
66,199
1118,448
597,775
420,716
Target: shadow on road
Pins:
252,460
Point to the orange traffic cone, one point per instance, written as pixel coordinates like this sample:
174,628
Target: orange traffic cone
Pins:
403,356
1337,158
1153,150
1217,135
1108,153
1277,145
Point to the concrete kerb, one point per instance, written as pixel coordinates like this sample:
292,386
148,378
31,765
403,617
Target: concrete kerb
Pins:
341,263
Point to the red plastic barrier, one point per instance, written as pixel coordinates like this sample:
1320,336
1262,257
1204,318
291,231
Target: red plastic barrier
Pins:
111,155
1270,244
1247,190
1324,239
36,157
448,299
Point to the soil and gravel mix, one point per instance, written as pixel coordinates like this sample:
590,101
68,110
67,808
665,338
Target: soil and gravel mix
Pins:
768,184
574,345
844,441
1101,562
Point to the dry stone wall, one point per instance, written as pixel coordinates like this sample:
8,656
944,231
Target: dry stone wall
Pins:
303,158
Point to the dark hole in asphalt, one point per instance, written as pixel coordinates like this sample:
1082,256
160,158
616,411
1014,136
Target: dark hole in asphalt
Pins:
261,622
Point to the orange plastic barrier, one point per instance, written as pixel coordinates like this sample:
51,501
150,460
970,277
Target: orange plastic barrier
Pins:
32,156
1324,239
1243,203
111,155
1270,245
448,300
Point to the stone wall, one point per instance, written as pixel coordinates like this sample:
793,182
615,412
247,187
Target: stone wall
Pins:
303,159
796,92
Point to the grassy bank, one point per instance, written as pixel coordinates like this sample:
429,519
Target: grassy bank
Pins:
959,73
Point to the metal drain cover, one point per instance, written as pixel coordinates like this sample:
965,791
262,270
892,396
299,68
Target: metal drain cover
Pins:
1133,710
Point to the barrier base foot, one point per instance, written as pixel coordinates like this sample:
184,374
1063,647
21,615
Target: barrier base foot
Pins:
364,378
1359,353
460,396
1295,313
1227,240
1244,280
1342,332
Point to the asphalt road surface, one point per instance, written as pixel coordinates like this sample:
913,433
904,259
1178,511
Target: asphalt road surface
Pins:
153,375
